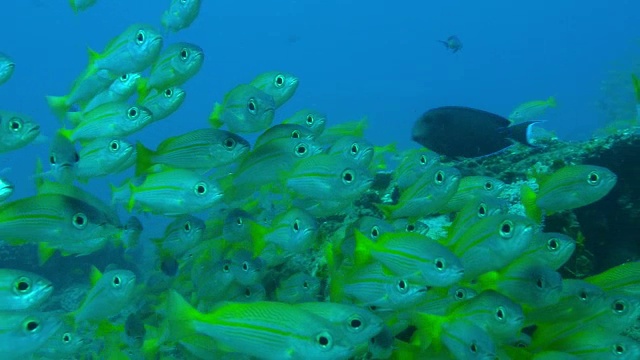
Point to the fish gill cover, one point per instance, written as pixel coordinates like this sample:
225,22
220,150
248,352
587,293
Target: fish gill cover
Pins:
191,180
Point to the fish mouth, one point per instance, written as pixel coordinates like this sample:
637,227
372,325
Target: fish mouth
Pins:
6,187
34,128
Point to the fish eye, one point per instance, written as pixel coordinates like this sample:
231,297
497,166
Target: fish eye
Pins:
500,313
247,292
52,159
239,221
80,221
488,185
618,349
473,348
482,210
375,231
439,178
184,54
402,286
251,105
296,225
116,282
583,296
354,149
324,340
168,93
593,178
66,338
187,226
124,77
301,149
619,306
295,134
245,266
279,81
133,113
310,119
540,283
31,326
305,285
114,145
355,323
506,229
440,264
423,160
553,244
23,284
229,143
460,294
410,228
225,268
200,188
15,124
140,36
348,176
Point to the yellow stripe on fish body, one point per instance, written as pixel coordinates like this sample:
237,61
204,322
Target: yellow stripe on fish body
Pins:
568,188
411,255
268,330
622,278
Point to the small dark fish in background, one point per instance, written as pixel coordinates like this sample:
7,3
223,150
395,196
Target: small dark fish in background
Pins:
458,131
452,43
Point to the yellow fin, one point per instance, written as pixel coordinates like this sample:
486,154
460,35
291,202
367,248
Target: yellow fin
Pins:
58,105
528,198
214,118
95,275
363,248
143,158
636,87
44,252
143,90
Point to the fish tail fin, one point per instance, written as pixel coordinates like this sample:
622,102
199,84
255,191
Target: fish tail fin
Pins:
143,89
258,233
179,315
214,118
336,285
522,132
67,133
94,56
528,198
143,158
132,201
44,252
362,253
75,117
552,101
386,209
636,87
72,3
58,105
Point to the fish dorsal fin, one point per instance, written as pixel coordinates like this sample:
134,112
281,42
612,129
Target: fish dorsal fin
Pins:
95,276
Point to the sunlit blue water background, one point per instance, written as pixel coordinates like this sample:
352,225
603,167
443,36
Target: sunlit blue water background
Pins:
378,59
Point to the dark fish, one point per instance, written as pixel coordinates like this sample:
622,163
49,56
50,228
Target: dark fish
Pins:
465,132
452,43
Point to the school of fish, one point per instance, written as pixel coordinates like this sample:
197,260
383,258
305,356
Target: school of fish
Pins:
270,253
